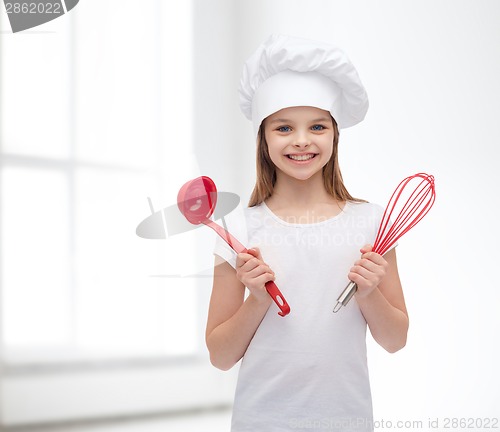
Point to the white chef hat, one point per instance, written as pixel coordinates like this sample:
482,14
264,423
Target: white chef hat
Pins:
287,71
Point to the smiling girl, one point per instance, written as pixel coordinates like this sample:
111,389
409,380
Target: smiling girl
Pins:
307,370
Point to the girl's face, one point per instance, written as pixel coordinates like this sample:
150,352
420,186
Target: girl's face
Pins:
300,141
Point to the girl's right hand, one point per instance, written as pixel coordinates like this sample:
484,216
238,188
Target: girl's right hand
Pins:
253,272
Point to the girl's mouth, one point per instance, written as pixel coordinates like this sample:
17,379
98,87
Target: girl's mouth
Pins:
301,157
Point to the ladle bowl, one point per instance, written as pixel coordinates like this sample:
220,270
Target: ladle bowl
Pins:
197,199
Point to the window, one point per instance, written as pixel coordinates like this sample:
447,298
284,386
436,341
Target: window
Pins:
95,119
97,115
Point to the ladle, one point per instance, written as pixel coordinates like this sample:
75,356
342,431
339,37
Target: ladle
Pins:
197,200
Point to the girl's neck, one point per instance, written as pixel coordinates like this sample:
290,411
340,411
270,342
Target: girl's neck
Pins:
293,196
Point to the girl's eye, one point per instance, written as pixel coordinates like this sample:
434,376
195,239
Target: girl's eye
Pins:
284,129
317,127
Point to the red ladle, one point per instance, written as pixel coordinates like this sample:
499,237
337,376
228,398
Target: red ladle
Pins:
196,201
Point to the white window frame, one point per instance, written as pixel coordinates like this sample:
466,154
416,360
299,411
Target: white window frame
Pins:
48,392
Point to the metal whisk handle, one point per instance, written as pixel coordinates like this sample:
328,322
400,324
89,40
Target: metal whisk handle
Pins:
345,296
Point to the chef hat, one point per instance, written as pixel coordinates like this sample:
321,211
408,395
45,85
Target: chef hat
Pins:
287,71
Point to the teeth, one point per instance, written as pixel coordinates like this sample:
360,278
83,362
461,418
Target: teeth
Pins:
301,157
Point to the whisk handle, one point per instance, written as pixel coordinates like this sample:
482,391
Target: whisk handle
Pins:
345,296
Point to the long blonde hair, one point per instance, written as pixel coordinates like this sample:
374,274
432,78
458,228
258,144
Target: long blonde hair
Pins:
266,172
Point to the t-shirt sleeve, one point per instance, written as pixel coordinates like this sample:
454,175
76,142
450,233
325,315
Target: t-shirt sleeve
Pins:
235,223
223,250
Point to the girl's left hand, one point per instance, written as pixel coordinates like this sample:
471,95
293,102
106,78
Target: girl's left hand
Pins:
368,271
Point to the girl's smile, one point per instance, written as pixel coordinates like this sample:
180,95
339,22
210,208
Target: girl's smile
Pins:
301,157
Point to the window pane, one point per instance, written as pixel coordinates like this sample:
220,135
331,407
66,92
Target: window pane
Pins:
35,89
118,80
105,290
35,258
121,308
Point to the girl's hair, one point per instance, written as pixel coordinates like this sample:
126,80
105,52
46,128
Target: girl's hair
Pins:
266,172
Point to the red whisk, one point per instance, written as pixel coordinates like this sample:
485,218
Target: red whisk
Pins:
415,208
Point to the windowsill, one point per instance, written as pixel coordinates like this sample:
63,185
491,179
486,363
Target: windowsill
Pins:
31,366
97,389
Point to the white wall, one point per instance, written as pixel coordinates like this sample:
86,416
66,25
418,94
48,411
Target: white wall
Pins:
431,70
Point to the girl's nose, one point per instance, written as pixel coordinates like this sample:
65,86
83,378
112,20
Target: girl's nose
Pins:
302,139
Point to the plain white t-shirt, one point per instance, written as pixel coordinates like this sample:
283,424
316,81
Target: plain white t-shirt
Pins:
307,370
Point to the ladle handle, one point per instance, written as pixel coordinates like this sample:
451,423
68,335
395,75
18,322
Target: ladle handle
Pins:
275,293
226,236
271,287
278,298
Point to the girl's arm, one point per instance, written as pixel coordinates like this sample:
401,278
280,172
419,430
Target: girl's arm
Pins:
380,298
232,321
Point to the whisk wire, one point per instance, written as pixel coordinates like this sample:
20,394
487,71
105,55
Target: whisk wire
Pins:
414,209
405,216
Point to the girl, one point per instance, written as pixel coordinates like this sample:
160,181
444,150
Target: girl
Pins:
307,370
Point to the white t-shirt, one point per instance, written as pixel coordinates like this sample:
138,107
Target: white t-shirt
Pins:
307,370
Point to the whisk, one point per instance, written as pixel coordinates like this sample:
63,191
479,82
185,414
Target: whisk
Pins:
412,212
